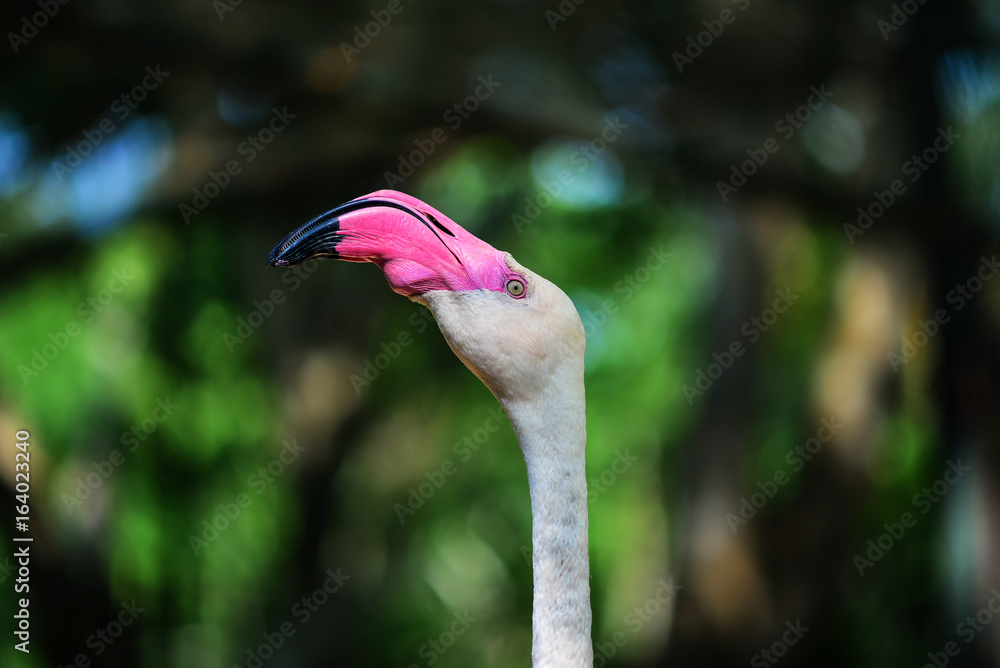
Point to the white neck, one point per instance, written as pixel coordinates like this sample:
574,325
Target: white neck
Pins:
531,354
552,434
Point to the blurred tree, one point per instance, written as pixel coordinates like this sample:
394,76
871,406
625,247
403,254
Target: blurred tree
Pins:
174,143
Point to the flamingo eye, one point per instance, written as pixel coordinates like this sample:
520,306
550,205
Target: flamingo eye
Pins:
515,287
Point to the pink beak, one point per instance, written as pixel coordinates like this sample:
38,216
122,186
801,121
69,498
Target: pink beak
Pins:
418,248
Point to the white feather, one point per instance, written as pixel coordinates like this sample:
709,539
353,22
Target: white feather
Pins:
529,352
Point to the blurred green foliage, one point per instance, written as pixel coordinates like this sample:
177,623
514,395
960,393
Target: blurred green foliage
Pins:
202,444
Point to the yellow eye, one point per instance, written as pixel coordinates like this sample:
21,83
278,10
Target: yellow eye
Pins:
515,287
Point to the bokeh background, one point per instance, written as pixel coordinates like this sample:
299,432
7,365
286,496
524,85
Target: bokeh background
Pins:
214,442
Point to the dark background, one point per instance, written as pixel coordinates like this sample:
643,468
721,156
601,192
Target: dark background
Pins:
172,383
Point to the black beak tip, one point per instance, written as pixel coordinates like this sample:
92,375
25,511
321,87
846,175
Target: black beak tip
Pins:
273,260
317,238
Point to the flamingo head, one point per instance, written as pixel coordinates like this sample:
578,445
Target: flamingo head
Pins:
511,327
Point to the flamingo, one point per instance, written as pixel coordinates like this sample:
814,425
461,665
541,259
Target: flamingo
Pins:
523,338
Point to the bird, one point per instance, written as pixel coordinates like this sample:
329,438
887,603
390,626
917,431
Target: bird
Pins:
522,336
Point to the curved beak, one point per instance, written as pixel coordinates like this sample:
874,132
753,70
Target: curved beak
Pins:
321,236
417,247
